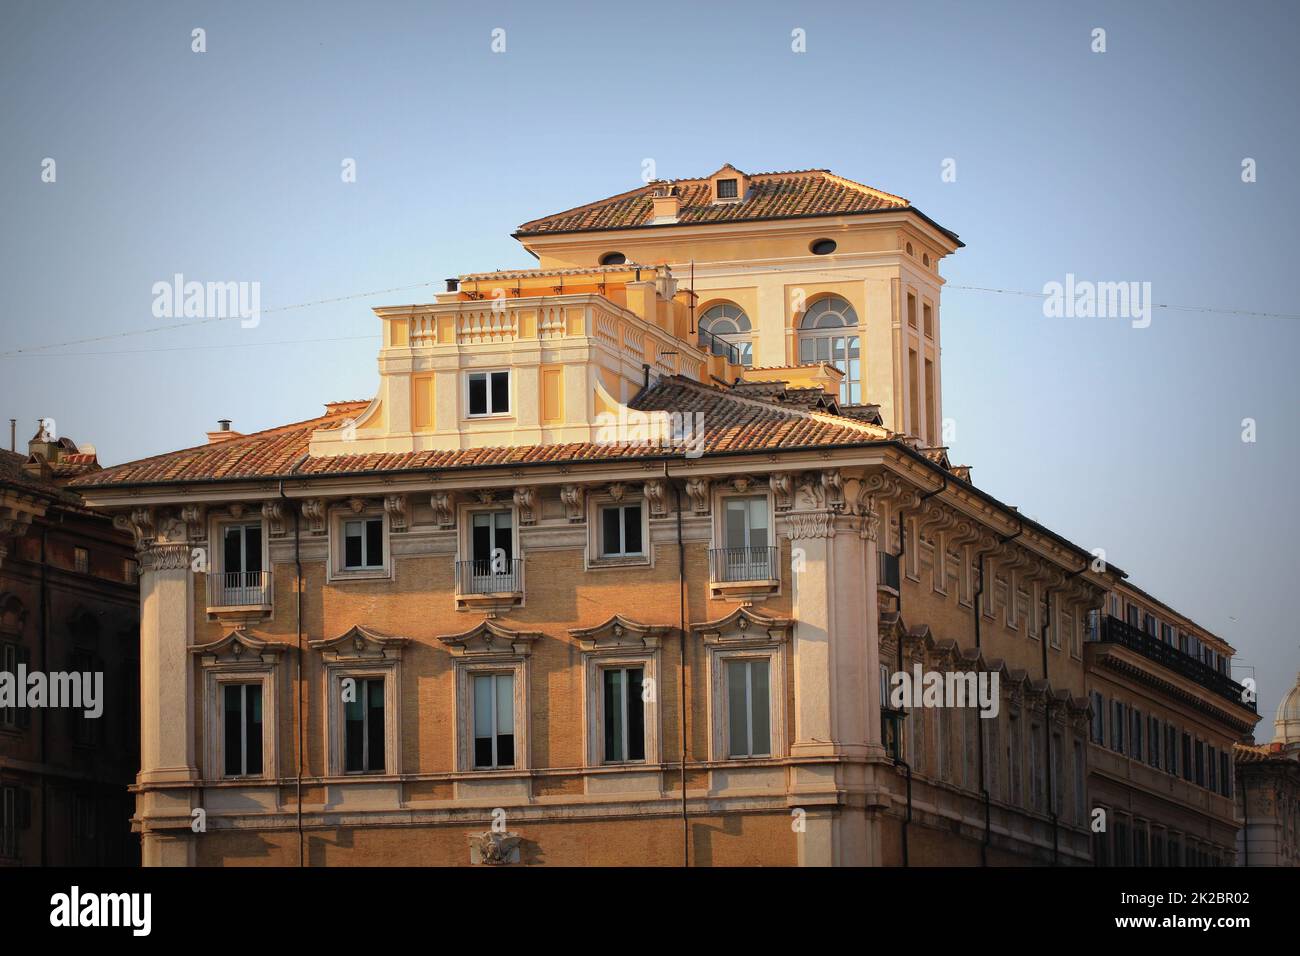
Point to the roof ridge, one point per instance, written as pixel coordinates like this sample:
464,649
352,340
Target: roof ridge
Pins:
794,411
863,187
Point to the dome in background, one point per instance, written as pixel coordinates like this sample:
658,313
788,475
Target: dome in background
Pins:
1286,725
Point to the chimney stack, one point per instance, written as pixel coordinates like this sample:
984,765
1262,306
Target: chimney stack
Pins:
667,204
223,432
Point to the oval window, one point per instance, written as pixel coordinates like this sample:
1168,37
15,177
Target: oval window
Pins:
823,247
613,259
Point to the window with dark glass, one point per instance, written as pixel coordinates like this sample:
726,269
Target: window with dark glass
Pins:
363,543
727,189
242,716
241,554
494,721
749,732
363,718
1187,756
620,531
823,247
624,714
1154,744
1171,749
1098,718
489,393
613,259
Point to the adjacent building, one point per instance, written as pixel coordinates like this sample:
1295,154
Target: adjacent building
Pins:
1268,791
69,605
621,565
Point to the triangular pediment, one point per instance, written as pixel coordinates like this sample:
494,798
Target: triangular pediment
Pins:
361,642
619,632
488,638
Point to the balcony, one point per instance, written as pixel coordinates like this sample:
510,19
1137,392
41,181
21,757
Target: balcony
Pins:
1116,631
239,593
744,573
490,585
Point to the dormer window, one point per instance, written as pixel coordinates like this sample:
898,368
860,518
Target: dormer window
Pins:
489,393
728,189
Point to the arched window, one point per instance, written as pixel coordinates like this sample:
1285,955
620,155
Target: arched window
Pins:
728,323
829,333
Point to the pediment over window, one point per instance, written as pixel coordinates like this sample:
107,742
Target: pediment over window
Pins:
361,643
239,647
744,626
489,638
619,632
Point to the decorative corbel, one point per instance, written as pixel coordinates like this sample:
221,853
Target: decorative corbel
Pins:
832,483
313,509
273,515
656,493
357,504
395,505
697,489
572,497
617,491
195,525
782,491
526,502
140,523
444,508
486,496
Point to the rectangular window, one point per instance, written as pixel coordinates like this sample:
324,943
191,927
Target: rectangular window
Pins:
749,708
1225,774
928,319
242,716
1037,794
911,310
1150,624
624,714
746,554
81,559
1135,739
1139,844
1098,718
1200,763
620,531
1117,726
1123,843
726,189
489,393
1167,633
1153,743
1056,782
363,719
1187,756
241,551
1171,749
1014,744
363,543
9,657
1094,625
1212,771
494,721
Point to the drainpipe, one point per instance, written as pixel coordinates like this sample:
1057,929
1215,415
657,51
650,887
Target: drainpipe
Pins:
979,611
297,584
902,573
681,659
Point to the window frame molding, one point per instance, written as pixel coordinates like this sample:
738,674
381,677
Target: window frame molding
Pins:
594,558
361,652
620,642
745,635
489,648
357,509
239,658
509,413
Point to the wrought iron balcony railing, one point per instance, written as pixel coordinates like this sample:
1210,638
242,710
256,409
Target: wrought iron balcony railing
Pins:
728,565
239,589
1116,631
490,576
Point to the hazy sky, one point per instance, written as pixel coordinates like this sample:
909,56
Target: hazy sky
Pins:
1123,165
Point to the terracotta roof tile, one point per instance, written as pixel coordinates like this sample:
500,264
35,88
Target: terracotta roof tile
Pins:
813,192
730,422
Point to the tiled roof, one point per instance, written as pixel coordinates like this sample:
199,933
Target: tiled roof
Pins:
811,192
731,423
14,475
1263,753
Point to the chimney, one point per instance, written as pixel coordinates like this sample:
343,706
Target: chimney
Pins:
223,432
666,204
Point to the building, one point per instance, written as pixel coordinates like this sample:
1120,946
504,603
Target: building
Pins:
1268,791
68,604
1166,715
621,565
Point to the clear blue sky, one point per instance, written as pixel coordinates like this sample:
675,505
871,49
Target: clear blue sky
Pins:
1117,166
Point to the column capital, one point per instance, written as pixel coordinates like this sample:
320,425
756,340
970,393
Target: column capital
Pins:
164,557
